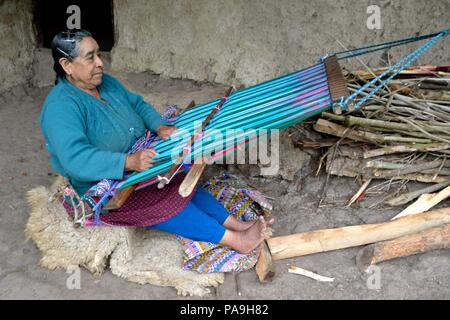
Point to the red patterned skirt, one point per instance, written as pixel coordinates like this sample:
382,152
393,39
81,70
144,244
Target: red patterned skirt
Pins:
147,206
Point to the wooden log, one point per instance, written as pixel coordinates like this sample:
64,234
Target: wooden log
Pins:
424,203
426,133
443,171
419,177
405,111
382,164
416,71
407,197
349,163
424,137
431,86
301,244
427,240
364,122
439,81
405,149
334,129
409,169
265,268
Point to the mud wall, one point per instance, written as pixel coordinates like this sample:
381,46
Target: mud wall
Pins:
246,42
17,42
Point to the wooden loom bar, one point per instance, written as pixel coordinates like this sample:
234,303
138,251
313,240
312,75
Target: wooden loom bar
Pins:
119,198
336,81
192,177
168,176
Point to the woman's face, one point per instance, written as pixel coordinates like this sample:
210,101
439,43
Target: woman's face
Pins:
86,70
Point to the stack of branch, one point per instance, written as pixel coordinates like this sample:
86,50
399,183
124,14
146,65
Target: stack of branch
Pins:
401,133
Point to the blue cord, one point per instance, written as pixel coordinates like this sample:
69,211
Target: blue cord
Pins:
398,66
387,45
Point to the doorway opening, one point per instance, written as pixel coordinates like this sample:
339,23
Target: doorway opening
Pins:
51,17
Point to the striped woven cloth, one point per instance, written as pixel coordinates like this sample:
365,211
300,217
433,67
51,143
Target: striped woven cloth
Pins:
94,194
242,202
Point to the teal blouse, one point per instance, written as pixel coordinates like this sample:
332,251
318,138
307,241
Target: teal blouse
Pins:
88,139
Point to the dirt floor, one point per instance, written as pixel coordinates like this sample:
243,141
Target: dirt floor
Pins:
24,165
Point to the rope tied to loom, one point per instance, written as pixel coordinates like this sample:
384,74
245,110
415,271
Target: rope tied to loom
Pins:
386,45
81,211
395,69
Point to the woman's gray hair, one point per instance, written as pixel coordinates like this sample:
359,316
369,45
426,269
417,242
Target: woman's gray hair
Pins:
65,45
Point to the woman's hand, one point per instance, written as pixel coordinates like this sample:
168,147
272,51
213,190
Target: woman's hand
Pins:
164,132
140,161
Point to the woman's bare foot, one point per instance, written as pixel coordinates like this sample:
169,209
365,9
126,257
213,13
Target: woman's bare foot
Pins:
246,241
236,225
270,221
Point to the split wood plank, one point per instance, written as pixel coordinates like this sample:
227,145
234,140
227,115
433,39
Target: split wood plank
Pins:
301,244
424,203
427,240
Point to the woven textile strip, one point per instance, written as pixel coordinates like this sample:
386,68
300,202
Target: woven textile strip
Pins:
148,140
245,205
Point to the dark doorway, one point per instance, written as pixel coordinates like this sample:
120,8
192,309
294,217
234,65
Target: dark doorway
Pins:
96,16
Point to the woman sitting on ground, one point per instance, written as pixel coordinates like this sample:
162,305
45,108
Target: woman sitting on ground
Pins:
90,121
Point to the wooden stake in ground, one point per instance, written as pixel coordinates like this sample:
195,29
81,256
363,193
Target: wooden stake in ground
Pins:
427,240
301,244
265,268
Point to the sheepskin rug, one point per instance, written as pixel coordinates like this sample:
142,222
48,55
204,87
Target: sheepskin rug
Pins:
138,255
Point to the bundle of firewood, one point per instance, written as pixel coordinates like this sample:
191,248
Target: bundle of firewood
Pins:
401,133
